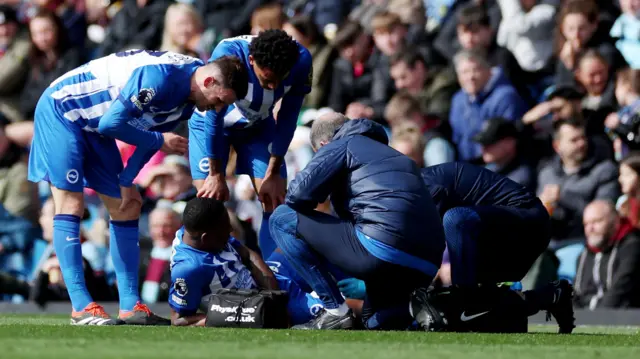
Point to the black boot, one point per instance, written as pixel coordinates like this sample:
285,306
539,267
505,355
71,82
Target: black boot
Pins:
557,299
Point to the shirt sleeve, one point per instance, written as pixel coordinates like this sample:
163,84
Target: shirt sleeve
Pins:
146,87
185,292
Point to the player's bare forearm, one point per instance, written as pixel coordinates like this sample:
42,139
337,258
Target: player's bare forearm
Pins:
275,162
260,271
196,320
215,167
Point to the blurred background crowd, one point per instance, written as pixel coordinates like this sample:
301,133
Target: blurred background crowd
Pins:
542,91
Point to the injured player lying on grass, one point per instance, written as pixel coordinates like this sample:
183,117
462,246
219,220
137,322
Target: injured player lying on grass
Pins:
206,258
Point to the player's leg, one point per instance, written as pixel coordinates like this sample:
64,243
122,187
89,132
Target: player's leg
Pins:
101,170
56,156
509,241
198,159
309,255
253,158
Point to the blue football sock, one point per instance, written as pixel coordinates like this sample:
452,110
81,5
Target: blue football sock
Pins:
125,253
265,241
66,242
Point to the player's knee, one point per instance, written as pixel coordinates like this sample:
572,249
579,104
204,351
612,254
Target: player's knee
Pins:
283,218
130,213
197,183
67,202
458,217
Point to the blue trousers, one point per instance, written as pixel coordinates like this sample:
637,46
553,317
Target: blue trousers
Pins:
311,242
493,244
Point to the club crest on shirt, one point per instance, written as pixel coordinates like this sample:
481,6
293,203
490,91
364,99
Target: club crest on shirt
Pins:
143,98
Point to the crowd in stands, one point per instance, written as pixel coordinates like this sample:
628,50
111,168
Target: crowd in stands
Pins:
546,92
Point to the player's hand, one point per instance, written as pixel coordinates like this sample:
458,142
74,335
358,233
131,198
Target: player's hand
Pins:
352,288
272,192
174,144
214,187
129,195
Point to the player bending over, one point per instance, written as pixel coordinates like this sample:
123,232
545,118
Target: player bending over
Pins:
137,97
495,230
279,69
206,258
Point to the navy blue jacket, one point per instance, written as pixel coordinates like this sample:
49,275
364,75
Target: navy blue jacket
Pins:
373,186
458,184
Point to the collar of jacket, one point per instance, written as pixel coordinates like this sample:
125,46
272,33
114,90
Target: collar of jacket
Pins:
624,228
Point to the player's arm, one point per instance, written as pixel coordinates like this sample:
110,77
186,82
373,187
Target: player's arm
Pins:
185,294
147,81
215,146
315,182
288,115
260,271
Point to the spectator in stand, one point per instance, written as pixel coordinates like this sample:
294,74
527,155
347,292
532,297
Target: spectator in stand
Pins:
485,94
170,180
306,32
51,57
183,31
74,22
627,30
434,87
577,31
628,204
389,38
19,207
227,18
138,24
474,31
499,139
14,64
163,224
266,17
526,31
592,74
356,78
608,274
404,107
573,178
407,139
619,123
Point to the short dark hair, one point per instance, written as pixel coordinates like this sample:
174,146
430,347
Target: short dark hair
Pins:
472,15
576,122
202,214
409,57
234,74
275,50
347,34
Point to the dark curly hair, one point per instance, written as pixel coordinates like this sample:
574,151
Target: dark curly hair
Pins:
274,50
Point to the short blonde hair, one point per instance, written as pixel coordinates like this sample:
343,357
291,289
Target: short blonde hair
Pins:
408,132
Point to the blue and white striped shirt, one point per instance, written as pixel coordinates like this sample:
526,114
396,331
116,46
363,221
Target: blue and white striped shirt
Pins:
132,96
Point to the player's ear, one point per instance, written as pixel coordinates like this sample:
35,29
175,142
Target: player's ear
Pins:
251,61
203,237
209,81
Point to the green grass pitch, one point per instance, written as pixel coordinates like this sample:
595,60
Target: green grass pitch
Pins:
48,337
